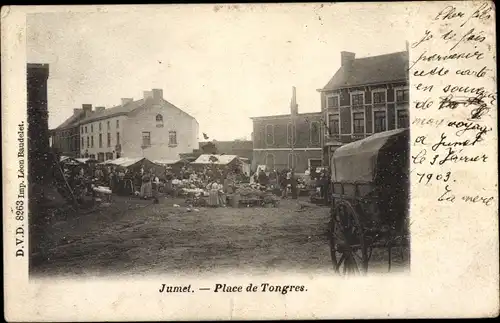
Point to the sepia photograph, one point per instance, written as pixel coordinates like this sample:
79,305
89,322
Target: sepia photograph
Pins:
250,161
137,165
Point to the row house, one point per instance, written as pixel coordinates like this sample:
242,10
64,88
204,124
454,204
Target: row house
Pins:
273,136
150,127
365,96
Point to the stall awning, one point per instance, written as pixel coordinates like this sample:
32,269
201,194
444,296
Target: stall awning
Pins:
124,161
168,161
86,160
214,159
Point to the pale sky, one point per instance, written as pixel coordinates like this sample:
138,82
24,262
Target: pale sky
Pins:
221,65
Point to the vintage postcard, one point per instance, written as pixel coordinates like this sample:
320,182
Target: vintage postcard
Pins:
250,161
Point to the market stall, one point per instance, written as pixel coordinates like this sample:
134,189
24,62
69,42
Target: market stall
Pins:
174,165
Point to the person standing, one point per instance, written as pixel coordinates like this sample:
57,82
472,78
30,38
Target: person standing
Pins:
213,194
146,187
155,188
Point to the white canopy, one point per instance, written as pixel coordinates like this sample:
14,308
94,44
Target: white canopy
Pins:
215,159
124,161
85,160
166,161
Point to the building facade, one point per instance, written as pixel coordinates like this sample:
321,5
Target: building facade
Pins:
66,137
272,141
150,127
365,96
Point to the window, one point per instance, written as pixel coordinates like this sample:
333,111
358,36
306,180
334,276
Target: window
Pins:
159,121
172,138
334,124
358,120
109,156
379,97
270,161
379,121
82,129
86,129
402,119
109,125
402,95
118,123
100,140
146,139
100,157
88,142
358,99
83,141
315,132
100,126
291,133
91,141
91,128
117,138
270,134
109,139
332,101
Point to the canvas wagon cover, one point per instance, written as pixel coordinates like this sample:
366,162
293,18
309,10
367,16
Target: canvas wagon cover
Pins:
357,161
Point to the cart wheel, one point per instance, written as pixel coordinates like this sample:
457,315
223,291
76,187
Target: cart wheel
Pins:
347,244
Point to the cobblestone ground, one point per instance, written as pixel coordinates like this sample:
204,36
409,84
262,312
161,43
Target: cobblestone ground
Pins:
137,237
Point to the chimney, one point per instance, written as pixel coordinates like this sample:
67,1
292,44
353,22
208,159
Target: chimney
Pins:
148,95
407,46
126,100
75,111
87,109
346,59
99,109
157,95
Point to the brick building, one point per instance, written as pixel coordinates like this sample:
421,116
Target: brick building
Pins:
272,141
365,96
38,122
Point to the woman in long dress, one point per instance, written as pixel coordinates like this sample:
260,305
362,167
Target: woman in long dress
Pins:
213,194
146,190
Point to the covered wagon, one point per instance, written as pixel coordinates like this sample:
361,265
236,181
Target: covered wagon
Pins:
369,199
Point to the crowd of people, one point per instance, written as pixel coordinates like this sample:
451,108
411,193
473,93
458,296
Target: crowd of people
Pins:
289,184
215,182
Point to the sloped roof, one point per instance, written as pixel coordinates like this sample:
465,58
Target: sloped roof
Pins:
124,161
71,121
167,161
221,159
114,111
125,109
371,70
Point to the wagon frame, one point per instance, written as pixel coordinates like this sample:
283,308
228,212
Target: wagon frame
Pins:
369,201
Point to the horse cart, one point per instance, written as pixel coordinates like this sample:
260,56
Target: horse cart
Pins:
369,202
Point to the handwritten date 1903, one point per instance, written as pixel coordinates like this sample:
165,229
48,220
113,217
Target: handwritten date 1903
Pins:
426,178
